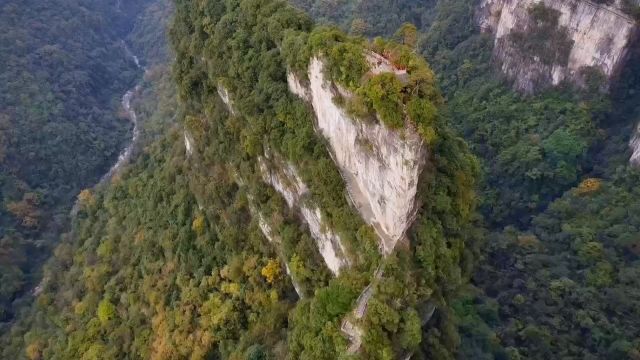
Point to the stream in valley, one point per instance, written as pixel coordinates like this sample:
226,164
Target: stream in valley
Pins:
125,154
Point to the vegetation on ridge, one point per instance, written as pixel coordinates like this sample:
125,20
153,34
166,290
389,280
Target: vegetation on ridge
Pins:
169,261
532,150
390,97
268,116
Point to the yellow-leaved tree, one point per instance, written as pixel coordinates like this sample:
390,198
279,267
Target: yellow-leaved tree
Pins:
271,271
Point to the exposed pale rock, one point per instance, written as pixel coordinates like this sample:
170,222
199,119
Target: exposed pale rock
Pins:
226,98
273,238
285,179
268,233
296,87
354,334
635,147
188,143
378,64
349,325
601,37
380,166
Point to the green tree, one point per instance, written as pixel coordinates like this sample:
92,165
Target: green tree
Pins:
106,311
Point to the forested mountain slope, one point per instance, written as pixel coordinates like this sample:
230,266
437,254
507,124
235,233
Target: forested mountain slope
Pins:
557,278
267,128
174,258
253,223
63,70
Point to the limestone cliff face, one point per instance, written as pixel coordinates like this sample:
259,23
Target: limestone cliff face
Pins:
275,239
380,166
188,142
226,98
635,147
597,36
285,179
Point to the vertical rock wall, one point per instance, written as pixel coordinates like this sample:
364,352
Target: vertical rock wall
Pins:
285,179
380,166
634,144
188,143
599,36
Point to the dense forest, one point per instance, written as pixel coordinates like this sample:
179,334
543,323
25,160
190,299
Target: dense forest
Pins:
525,245
64,68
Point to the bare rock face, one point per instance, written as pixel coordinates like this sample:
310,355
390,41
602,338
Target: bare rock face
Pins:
586,35
226,98
285,179
188,143
273,238
380,166
634,144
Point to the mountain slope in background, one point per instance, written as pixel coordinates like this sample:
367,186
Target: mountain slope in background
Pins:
63,70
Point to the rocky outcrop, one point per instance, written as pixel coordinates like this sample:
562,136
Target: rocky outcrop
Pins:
634,144
268,232
380,166
586,35
188,143
226,98
350,325
285,179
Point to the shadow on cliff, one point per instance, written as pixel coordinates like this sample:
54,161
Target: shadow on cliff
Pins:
620,123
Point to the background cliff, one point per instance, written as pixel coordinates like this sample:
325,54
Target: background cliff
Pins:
541,44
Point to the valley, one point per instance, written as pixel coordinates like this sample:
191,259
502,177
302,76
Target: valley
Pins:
267,179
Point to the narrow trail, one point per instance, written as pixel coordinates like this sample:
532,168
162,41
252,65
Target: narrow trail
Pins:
350,326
